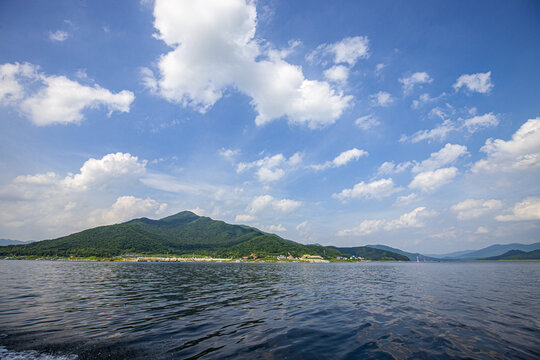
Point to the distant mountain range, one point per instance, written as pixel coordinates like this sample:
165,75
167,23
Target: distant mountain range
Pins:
4,242
517,255
490,251
181,234
409,255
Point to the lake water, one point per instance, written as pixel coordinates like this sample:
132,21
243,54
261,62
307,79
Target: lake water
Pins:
69,310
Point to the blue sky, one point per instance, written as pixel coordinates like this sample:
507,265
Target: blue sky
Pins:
412,124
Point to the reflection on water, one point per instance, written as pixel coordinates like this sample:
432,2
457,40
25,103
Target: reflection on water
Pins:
183,310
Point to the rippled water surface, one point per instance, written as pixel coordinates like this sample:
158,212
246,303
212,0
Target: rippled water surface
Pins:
94,310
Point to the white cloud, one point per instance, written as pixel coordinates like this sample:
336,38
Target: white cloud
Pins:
48,204
126,208
480,82
482,121
49,100
97,172
412,219
274,228
366,122
431,180
520,153
93,174
347,51
377,189
406,200
245,218
389,168
214,49
471,208
270,168
446,156
426,99
302,226
415,79
441,131
229,154
337,74
58,35
528,209
148,79
481,230
264,202
382,98
342,159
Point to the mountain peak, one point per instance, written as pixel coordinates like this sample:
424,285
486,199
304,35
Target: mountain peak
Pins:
182,216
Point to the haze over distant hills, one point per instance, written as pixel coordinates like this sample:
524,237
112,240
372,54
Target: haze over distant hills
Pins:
4,242
411,256
517,255
490,251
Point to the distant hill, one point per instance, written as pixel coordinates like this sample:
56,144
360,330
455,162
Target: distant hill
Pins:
516,255
411,256
490,251
183,233
4,242
371,253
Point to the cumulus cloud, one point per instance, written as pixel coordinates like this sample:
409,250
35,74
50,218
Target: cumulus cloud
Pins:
471,208
480,82
264,203
528,209
412,219
338,74
49,100
126,208
520,153
342,159
346,51
53,204
214,49
382,98
274,228
245,218
431,180
96,172
366,122
417,78
377,189
446,156
58,35
270,168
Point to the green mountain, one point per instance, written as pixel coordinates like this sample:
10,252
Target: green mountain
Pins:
516,255
180,234
409,255
370,253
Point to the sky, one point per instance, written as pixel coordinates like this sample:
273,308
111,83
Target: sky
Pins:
413,124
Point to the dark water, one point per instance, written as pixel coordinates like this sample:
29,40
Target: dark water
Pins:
283,311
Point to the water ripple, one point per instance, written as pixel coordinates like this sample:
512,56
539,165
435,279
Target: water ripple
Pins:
270,311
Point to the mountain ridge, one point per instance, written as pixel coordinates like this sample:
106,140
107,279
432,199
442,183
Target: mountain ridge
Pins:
180,234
